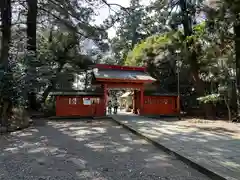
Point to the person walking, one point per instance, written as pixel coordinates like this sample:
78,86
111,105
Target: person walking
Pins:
115,106
109,107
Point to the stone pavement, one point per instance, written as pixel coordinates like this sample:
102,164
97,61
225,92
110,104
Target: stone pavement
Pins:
80,150
212,145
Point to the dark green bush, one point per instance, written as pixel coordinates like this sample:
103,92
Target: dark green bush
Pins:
49,107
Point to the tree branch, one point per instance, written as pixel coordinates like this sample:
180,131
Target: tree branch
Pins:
115,4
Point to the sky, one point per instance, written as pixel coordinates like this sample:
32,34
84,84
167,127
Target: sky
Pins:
104,12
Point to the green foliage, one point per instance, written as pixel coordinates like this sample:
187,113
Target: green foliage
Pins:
146,35
158,54
212,98
11,86
61,60
49,107
57,47
151,46
134,26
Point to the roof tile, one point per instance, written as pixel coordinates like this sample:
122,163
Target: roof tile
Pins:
124,75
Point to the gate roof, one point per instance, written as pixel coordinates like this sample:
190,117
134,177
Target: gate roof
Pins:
114,73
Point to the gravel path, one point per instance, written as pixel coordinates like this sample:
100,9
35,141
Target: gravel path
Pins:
81,150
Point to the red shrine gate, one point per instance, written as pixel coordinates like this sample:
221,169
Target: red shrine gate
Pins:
115,77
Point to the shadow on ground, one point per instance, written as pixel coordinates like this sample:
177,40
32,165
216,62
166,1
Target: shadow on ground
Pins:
81,150
216,148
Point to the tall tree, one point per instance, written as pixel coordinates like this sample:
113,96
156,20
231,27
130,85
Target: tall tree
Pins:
222,17
6,18
32,25
32,50
188,15
130,30
234,7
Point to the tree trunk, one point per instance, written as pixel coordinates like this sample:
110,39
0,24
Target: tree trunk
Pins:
86,80
32,50
237,52
32,25
47,91
234,97
200,89
4,113
228,108
134,4
186,20
6,18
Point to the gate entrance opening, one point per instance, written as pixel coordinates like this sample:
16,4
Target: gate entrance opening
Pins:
123,101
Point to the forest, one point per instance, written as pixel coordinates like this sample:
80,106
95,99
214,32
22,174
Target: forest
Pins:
43,41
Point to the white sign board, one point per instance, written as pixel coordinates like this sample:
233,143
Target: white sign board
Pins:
86,101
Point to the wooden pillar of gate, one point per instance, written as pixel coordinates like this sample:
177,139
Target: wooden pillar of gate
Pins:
135,107
105,98
141,100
